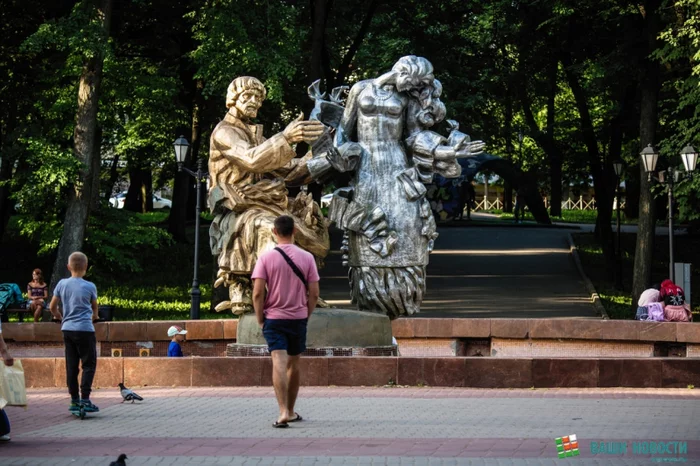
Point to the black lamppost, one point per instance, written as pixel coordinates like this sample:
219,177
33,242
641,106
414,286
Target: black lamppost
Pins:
671,176
181,147
617,166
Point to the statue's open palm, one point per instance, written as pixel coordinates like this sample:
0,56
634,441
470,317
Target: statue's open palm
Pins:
470,149
301,130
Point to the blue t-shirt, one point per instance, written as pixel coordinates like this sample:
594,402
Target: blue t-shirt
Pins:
76,296
174,350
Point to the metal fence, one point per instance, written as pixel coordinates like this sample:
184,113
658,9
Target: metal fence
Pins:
569,204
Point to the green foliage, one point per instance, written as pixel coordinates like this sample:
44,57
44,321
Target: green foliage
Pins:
133,302
246,38
120,242
680,53
50,170
81,34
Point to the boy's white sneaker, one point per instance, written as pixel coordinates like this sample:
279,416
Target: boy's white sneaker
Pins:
5,438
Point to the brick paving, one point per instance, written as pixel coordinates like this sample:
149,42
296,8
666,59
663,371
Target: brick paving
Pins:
372,425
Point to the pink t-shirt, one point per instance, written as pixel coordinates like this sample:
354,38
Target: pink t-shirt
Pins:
286,294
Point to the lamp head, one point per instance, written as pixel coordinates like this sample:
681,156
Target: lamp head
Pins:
181,145
690,158
649,159
617,166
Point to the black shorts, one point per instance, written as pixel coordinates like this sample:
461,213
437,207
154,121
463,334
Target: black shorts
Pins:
285,334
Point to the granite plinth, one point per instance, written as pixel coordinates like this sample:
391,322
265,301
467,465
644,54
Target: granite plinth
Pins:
329,328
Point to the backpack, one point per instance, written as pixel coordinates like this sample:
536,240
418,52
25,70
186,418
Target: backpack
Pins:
656,312
10,295
678,313
671,293
642,313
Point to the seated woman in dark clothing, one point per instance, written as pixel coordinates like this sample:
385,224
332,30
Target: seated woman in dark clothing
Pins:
38,293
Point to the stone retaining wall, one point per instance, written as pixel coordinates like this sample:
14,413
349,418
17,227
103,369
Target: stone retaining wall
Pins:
405,328
369,371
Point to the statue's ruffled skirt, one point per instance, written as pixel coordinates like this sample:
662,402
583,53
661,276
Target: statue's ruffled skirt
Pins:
394,291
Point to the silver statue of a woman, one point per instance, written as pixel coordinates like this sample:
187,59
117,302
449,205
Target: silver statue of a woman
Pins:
384,138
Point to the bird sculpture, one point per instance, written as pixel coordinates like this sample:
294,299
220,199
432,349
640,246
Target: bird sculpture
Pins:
128,395
120,461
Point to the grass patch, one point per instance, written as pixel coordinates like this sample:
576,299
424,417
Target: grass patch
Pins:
619,303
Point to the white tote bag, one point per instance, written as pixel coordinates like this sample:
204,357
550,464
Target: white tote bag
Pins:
13,391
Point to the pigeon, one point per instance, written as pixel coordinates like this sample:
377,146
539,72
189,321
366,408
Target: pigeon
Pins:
120,461
128,395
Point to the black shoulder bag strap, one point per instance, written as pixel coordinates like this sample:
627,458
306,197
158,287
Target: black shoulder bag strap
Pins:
294,267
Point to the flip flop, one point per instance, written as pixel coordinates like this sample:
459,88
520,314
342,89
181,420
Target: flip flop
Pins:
296,419
280,425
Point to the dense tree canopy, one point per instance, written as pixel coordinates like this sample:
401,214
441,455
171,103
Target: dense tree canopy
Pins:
583,82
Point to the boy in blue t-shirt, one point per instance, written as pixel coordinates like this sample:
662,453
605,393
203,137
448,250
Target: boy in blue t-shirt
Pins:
79,301
178,335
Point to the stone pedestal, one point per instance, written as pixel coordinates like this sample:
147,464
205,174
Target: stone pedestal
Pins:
329,328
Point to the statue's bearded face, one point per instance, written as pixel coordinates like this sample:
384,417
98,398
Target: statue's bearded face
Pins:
249,103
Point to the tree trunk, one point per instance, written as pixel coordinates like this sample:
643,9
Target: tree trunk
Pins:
113,176
616,136
133,199
85,140
508,129
548,144
147,191
650,86
600,173
96,167
318,37
139,197
6,206
555,159
632,183
183,202
178,211
6,168
361,34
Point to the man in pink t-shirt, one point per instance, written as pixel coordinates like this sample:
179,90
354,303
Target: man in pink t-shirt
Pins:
291,278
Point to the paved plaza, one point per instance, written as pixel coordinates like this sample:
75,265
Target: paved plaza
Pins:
489,272
379,425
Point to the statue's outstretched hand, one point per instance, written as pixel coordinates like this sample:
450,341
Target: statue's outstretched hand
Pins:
300,174
470,149
303,130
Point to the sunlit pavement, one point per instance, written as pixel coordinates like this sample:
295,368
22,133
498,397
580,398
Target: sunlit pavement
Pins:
380,425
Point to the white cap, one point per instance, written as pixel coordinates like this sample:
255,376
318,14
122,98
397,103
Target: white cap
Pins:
176,330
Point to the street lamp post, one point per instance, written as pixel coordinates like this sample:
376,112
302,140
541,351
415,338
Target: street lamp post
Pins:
617,166
181,146
671,176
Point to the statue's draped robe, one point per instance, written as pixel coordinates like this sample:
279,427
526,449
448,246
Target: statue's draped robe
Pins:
248,192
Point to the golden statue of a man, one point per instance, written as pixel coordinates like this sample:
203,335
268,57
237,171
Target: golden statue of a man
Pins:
248,191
